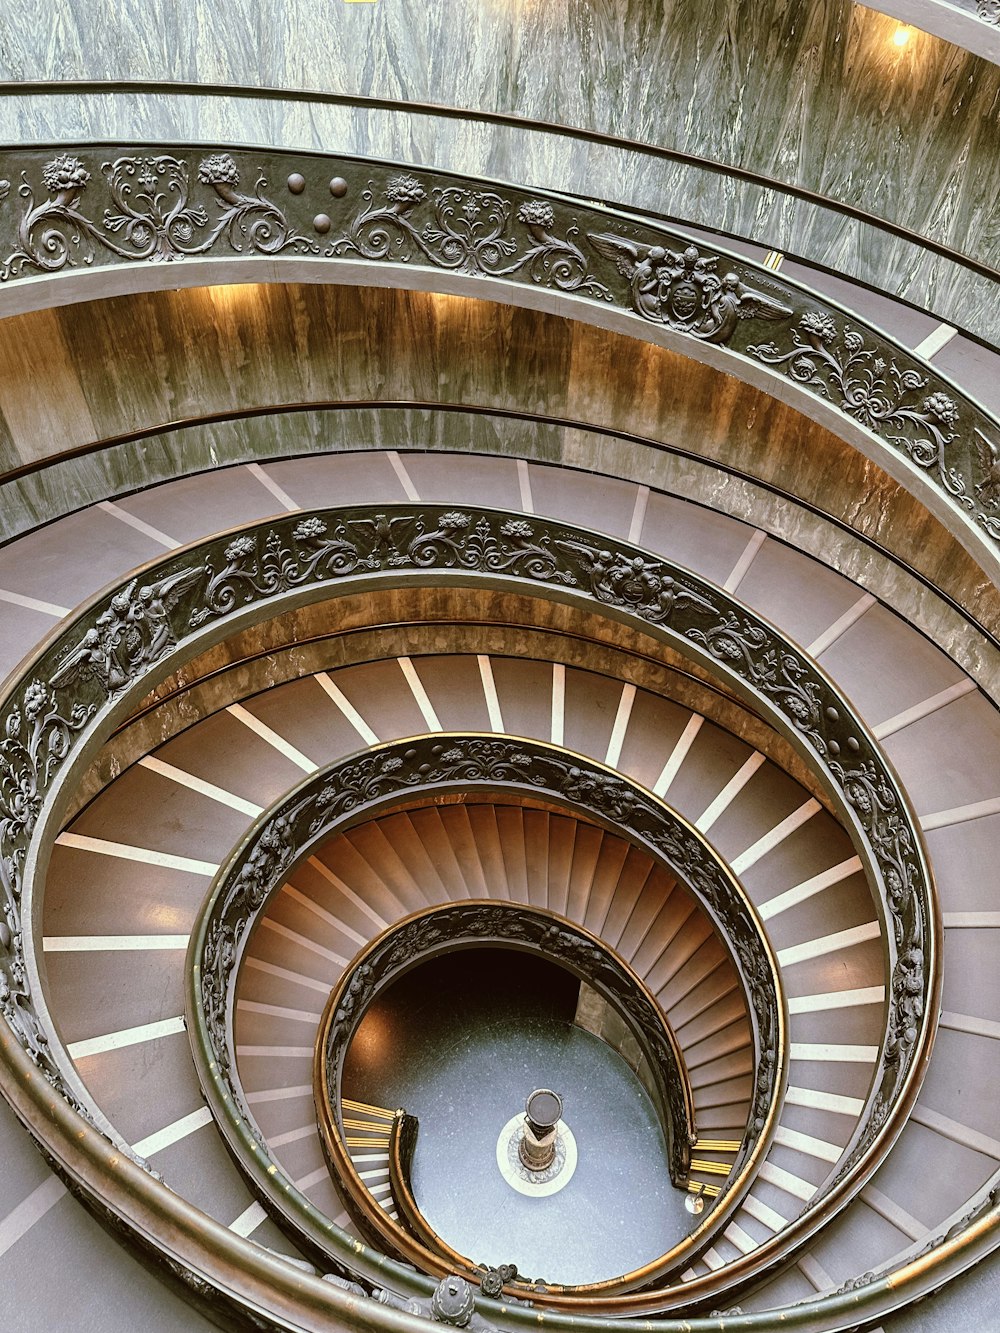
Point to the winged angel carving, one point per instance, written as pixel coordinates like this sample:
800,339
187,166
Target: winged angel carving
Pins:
133,631
683,290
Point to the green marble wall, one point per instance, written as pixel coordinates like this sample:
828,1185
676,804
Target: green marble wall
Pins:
808,91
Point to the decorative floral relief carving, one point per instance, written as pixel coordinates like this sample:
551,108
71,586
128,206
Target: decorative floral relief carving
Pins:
988,11
152,215
471,230
682,289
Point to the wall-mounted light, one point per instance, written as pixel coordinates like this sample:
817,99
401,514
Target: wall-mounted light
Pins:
901,36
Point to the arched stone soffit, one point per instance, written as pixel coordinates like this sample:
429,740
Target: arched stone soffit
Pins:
586,396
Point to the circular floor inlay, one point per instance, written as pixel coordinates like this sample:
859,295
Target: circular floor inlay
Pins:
536,1183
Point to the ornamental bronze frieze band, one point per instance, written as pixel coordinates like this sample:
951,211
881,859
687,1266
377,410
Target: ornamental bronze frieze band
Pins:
86,677
360,787
60,212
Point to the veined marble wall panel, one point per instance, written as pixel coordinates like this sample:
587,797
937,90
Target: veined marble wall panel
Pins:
530,157
133,364
814,93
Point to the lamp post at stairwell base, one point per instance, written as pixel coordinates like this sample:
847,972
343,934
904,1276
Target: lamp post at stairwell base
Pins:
537,1146
536,1150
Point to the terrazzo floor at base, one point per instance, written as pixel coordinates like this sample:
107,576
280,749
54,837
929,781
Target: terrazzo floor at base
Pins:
460,1043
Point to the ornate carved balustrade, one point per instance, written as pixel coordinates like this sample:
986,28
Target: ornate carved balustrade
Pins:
358,788
89,674
124,206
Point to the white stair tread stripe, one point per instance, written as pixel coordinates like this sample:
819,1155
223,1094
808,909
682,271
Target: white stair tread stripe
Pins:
286,974
30,1210
112,943
209,789
824,1101
830,1051
130,520
313,1178
419,694
311,905
743,1241
936,340
279,1094
173,1133
739,571
959,814
951,1129
924,709
638,514
303,941
274,1052
377,1190
764,1214
729,792
114,1041
364,1157
376,1173
776,836
814,1273
786,1181
272,487
620,726
979,1027
840,626
838,999
713,1259
558,728
405,480
348,892
524,486
809,887
490,692
277,1011
145,855
971,920
824,944
678,754
34,604
806,1143
293,1135
688,1275
337,695
266,733
249,1220
893,1213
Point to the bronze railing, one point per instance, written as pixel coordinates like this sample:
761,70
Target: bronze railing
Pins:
87,676
108,206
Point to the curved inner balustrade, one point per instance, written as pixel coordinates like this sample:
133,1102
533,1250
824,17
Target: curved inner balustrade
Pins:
219,585
477,925
885,400
355,790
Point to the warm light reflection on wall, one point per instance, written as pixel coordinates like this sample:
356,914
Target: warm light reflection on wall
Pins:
901,36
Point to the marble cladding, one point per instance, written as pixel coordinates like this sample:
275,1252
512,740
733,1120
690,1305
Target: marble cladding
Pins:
440,621
814,94
115,367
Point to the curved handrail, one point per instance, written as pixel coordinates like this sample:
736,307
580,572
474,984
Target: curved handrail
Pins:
510,120
425,934
359,788
169,203
86,675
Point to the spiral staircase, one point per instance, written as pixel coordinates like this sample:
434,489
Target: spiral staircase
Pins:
409,543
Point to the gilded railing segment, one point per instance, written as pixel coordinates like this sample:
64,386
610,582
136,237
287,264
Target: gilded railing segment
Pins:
73,690
488,761
63,212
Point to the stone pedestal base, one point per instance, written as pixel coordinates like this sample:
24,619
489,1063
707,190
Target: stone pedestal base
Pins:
537,1152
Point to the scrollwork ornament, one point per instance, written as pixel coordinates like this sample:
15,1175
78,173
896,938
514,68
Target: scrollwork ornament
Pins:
471,230
150,214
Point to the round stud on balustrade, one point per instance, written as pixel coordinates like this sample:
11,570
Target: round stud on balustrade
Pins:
296,183
338,187
322,223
